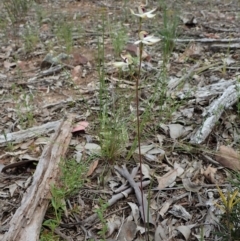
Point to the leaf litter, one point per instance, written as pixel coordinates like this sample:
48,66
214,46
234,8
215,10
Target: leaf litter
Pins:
182,163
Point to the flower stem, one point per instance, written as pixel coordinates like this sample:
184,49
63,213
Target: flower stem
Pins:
138,124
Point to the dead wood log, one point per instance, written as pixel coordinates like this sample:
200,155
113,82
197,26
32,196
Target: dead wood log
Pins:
207,92
20,136
26,223
214,112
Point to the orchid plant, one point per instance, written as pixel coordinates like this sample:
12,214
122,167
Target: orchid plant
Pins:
147,39
142,13
144,39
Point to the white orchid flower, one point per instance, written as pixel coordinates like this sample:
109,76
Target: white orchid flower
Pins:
127,60
142,13
147,39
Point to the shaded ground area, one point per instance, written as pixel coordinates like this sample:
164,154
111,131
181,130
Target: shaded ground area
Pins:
57,60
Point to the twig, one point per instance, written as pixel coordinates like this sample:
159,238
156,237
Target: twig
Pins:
173,84
143,203
208,40
62,235
113,200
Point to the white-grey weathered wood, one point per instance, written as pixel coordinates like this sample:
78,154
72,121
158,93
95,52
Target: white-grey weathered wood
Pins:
26,223
206,92
214,112
20,136
142,200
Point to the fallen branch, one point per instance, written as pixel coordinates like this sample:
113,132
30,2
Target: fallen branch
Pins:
213,113
113,200
206,92
208,40
143,203
26,223
20,136
226,45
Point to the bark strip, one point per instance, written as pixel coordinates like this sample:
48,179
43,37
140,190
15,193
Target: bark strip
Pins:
26,223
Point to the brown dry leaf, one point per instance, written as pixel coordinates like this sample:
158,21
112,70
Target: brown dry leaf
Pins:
128,231
45,28
211,35
22,65
92,167
7,51
194,51
228,157
165,206
167,179
134,51
190,186
209,173
76,72
79,59
81,126
7,65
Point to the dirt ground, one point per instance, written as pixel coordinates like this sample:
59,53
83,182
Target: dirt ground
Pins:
48,73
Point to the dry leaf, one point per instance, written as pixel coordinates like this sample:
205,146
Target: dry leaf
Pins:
114,223
165,207
180,212
128,231
92,167
193,51
82,125
160,234
190,186
135,211
23,65
12,188
167,179
144,149
7,65
177,130
79,59
134,51
209,173
185,230
179,169
146,171
93,148
228,157
76,72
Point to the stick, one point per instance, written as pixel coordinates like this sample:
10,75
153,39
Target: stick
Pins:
143,203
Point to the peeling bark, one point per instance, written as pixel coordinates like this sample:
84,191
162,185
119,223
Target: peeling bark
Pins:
26,223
